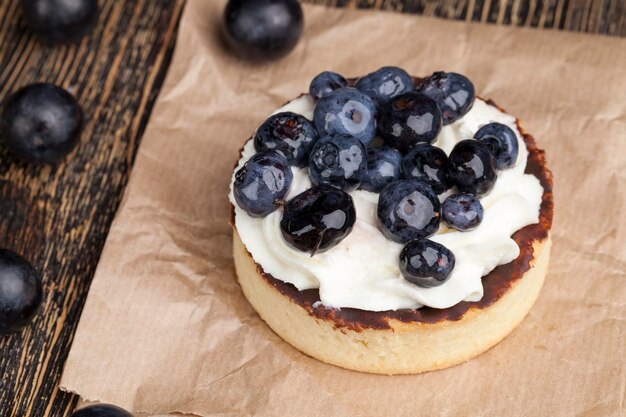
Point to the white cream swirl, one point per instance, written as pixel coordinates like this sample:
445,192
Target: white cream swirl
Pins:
362,271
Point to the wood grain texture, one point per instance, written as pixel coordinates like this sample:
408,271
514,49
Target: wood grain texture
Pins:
592,16
59,216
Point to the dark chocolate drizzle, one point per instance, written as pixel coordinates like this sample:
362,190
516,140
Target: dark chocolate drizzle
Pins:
495,284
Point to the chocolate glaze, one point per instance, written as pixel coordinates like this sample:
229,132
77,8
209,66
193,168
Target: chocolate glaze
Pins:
495,284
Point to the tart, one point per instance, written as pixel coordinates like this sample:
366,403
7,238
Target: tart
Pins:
361,293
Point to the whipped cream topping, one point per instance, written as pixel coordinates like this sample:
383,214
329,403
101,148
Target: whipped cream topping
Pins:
363,270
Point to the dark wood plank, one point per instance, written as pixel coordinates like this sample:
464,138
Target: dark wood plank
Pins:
592,16
59,216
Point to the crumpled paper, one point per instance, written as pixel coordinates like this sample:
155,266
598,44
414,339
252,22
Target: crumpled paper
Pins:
166,329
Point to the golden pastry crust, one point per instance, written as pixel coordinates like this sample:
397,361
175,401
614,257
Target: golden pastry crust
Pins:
404,347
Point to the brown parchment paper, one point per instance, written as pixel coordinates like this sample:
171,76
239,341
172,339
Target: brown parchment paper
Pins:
166,328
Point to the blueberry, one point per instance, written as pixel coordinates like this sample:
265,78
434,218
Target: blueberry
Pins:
42,123
386,83
472,167
426,263
20,292
261,182
453,92
346,111
60,20
101,410
339,160
325,83
318,219
263,29
290,134
462,211
502,143
429,164
409,119
383,167
407,210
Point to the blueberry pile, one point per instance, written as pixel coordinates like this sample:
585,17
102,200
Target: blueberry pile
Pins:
410,174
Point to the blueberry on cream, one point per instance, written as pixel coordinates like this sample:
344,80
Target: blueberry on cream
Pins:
292,135
409,119
426,263
318,219
346,111
339,160
472,167
462,211
454,94
383,167
408,210
262,182
429,164
501,142
384,84
325,83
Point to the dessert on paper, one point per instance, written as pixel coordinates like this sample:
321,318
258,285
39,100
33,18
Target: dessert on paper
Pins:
165,309
341,237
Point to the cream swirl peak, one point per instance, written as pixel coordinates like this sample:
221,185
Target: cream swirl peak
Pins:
362,271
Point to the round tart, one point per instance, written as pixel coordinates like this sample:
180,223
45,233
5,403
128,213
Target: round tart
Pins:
396,324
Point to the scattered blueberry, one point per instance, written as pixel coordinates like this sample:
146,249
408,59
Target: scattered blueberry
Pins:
346,111
60,20
453,92
101,410
263,29
462,211
325,83
290,134
426,263
408,210
429,164
318,219
386,83
339,160
409,119
383,167
472,167
262,181
501,141
42,123
20,292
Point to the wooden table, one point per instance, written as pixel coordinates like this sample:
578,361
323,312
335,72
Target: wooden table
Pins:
58,217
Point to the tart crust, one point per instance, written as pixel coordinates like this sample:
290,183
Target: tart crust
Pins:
408,341
403,347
